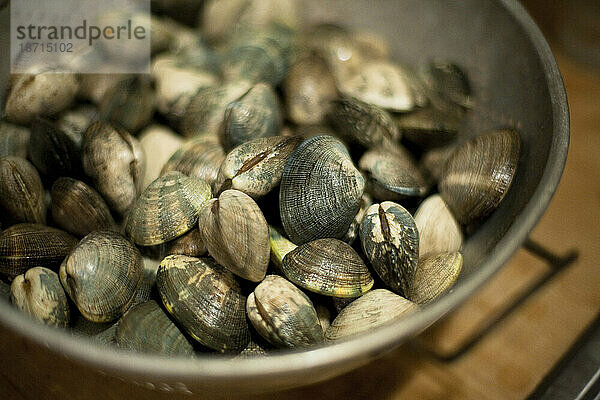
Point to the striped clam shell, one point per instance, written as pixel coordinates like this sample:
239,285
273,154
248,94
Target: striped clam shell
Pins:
206,300
390,240
39,294
102,275
329,267
146,328
25,246
14,140
479,173
167,209
21,192
282,314
368,312
320,190
435,275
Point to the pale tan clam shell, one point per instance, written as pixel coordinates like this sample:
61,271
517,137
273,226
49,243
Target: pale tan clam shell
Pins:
438,229
436,274
368,312
159,143
236,234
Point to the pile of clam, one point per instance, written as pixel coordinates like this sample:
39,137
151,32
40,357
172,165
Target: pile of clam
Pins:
277,188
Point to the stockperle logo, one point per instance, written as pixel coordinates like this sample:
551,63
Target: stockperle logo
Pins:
80,36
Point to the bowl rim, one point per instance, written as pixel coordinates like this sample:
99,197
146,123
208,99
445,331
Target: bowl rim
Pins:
217,371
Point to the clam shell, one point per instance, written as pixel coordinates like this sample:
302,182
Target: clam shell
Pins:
253,349
75,122
329,267
363,123
324,316
21,191
337,46
320,190
438,230
255,167
78,208
479,173
39,294
309,88
94,87
435,275
159,143
54,152
42,94
434,160
236,234
204,114
14,140
167,209
280,246
189,244
116,162
448,82
147,329
25,246
368,312
282,314
392,174
130,103
255,115
206,300
390,240
107,336
381,84
102,275
200,157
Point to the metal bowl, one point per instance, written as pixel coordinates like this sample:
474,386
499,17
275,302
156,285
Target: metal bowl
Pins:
516,82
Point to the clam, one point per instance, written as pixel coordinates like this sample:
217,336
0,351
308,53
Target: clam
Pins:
262,55
42,94
280,246
78,208
368,312
363,123
435,275
84,327
177,83
14,140
199,157
371,45
74,122
25,246
254,115
337,46
324,316
204,115
167,209
448,82
255,167
329,267
94,87
21,191
282,314
236,234
129,104
102,275
116,162
53,151
146,328
430,127
479,173
390,240
107,336
381,84
392,174
309,88
159,143
320,190
353,230
339,303
438,230
206,300
221,18
39,294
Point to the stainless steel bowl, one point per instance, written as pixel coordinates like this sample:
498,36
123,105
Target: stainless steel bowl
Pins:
516,82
